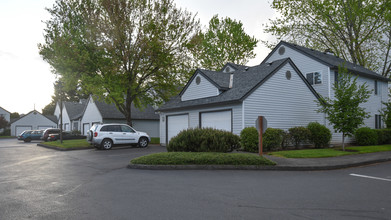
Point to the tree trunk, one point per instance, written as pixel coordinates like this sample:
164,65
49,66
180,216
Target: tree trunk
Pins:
343,141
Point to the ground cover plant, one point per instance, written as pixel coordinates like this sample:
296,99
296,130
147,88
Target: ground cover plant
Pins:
202,158
331,152
79,143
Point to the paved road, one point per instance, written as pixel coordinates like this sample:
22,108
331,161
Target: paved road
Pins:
39,183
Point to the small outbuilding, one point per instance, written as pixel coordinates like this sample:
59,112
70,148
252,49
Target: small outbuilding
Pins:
32,121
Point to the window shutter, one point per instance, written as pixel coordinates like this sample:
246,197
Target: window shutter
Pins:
310,78
375,87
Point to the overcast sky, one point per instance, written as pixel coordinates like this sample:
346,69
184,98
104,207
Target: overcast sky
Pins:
27,81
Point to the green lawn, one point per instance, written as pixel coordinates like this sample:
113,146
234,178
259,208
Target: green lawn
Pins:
4,137
80,143
155,140
330,152
204,158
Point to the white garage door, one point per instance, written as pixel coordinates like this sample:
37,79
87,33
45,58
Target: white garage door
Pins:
218,120
175,124
86,127
20,129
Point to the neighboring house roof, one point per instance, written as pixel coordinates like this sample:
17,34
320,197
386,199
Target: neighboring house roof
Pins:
244,82
330,60
110,111
50,117
75,109
5,110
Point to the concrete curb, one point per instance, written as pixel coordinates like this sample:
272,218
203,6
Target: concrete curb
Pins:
64,149
272,168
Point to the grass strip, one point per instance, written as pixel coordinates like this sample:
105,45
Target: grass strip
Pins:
201,158
155,140
330,152
78,143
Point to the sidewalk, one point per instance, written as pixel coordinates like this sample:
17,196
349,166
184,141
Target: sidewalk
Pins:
293,164
329,163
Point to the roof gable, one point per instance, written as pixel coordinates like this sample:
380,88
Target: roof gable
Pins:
49,117
329,60
5,110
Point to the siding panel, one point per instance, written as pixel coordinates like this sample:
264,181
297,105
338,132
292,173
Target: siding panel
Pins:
203,90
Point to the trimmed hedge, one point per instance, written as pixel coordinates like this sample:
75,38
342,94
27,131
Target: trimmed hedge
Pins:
383,136
319,135
272,139
249,139
204,140
298,135
366,136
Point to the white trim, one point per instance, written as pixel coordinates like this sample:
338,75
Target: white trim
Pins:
328,70
242,115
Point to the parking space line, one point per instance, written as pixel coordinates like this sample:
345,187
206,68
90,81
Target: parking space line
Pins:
370,177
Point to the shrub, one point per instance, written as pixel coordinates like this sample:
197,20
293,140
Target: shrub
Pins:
204,140
272,139
319,134
76,132
366,136
380,136
386,136
6,132
298,135
286,139
249,139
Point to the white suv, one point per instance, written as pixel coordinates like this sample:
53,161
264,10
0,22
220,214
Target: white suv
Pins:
106,135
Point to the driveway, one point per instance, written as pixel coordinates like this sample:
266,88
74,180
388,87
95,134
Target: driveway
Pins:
40,183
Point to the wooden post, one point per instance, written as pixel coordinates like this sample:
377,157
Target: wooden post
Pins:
260,124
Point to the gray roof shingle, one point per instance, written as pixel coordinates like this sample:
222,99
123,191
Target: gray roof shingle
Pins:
110,111
75,109
330,60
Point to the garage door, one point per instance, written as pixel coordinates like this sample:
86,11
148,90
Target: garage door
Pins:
20,129
175,124
218,120
86,127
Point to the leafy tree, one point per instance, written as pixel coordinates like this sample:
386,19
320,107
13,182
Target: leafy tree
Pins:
3,122
71,93
14,115
386,112
356,30
123,51
344,111
224,41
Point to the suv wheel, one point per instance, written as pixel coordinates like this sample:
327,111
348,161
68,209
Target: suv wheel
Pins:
143,142
106,144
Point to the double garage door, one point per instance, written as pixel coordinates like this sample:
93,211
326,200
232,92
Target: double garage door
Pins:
218,120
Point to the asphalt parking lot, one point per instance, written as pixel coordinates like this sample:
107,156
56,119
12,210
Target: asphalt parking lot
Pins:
40,183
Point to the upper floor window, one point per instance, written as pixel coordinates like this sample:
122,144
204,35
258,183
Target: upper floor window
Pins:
314,78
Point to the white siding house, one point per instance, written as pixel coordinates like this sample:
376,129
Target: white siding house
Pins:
6,115
325,65
277,91
100,112
32,121
283,88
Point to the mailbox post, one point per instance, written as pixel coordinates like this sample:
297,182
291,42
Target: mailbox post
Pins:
261,125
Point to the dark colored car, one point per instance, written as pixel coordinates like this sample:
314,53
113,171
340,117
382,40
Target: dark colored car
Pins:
30,135
65,136
48,131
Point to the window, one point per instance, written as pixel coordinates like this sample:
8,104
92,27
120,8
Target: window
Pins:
314,78
336,77
127,129
378,122
376,87
76,126
113,128
198,80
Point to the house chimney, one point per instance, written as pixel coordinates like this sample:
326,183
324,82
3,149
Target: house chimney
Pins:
231,80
